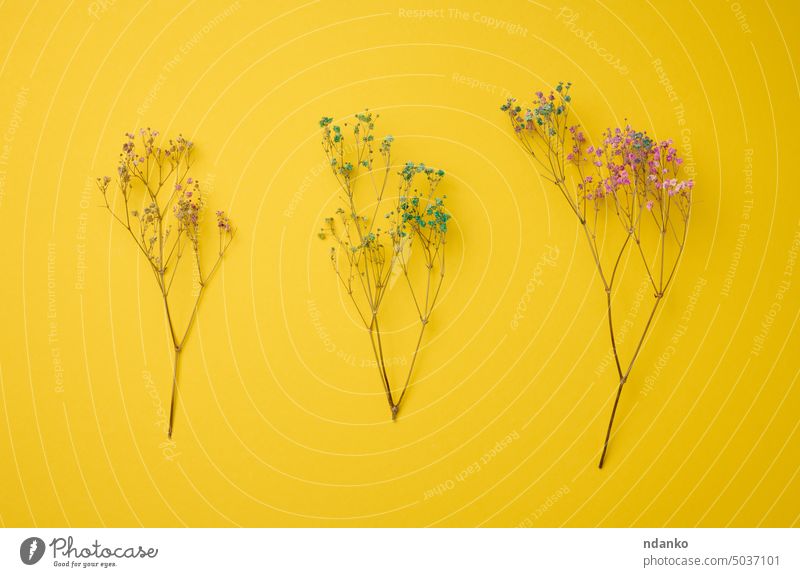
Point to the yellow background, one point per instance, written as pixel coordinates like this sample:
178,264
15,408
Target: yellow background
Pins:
278,423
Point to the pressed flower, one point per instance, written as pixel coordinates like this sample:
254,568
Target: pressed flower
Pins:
366,256
155,179
633,176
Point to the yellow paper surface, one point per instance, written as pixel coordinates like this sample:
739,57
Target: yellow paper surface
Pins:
281,419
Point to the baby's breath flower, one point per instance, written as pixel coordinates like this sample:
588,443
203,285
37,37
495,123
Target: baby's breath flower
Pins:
151,187
628,172
366,256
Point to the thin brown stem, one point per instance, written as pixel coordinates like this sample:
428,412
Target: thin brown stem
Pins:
624,377
595,255
611,331
410,369
169,315
379,362
383,363
174,399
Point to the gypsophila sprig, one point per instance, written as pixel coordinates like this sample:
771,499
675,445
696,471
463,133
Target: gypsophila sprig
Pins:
628,173
161,207
370,246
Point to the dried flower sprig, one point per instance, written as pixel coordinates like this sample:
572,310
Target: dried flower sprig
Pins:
162,210
367,255
628,173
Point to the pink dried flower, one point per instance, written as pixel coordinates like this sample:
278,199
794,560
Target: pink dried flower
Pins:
634,172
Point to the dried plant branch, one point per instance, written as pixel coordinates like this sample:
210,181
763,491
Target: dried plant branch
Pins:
143,172
635,174
369,252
